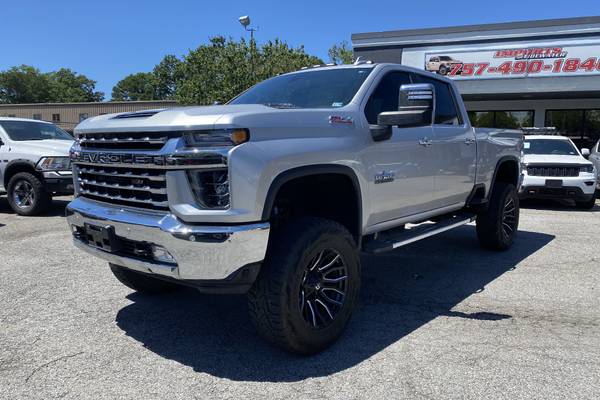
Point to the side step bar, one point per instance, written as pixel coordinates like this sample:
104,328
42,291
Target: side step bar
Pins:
390,241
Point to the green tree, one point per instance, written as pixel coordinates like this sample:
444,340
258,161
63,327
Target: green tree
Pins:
67,86
167,75
341,53
223,68
24,84
134,87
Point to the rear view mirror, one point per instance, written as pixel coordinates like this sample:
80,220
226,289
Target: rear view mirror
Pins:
585,152
415,107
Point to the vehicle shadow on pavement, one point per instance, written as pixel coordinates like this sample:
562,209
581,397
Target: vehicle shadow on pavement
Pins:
401,291
555,205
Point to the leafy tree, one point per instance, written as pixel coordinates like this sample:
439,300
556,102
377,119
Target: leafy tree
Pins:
140,86
67,86
23,84
223,68
166,76
341,53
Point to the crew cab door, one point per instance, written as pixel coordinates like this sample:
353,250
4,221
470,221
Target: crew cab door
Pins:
454,146
401,169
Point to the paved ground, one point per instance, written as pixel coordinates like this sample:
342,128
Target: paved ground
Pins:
440,319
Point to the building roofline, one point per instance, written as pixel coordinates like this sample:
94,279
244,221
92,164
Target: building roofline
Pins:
88,103
544,23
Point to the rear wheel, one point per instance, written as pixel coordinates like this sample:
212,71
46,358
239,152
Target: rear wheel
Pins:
307,286
443,70
497,224
141,282
27,195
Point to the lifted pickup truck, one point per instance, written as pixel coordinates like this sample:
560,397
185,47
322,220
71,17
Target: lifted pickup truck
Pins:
277,192
34,164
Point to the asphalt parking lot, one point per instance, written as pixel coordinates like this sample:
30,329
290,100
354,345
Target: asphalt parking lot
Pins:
439,319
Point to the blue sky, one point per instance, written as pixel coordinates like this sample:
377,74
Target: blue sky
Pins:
107,40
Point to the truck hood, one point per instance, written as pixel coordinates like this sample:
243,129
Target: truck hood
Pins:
42,148
547,159
201,117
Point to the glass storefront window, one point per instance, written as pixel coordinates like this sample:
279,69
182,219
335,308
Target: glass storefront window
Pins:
501,119
592,125
567,122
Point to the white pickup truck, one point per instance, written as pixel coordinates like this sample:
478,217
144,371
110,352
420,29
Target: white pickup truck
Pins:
277,192
34,164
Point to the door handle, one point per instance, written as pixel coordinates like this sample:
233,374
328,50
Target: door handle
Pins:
425,142
469,141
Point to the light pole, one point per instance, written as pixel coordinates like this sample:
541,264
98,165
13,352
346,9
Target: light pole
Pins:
245,21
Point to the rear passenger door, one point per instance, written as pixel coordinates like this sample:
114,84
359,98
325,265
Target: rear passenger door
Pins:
454,146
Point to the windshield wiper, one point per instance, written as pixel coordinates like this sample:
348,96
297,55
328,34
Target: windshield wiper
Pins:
280,105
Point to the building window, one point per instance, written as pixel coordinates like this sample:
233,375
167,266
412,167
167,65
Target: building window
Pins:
55,117
583,126
502,119
83,116
37,116
12,115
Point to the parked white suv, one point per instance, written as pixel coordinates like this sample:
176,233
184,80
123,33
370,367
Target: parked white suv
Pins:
34,164
553,168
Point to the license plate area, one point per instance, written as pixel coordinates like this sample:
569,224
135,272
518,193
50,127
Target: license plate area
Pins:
554,183
101,237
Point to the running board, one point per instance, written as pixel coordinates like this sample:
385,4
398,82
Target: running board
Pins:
390,241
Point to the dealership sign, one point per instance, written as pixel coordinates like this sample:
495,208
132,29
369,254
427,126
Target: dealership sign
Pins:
516,62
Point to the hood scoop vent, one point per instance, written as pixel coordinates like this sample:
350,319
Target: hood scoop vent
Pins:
138,114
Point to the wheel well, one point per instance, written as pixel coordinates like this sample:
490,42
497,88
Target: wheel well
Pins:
507,172
15,168
333,196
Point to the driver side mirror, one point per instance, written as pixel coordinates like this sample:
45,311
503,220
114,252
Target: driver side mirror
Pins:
415,108
585,152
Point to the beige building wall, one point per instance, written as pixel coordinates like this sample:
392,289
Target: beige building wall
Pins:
68,115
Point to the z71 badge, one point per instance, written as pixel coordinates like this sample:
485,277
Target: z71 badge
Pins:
384,177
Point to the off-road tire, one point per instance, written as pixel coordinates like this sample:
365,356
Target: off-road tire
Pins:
142,283
274,300
493,220
586,205
40,201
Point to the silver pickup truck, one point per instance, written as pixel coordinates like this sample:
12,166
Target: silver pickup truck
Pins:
277,192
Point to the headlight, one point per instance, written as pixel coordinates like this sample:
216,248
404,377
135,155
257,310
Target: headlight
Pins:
587,168
54,164
219,137
211,188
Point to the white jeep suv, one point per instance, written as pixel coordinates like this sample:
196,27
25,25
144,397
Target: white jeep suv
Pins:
553,168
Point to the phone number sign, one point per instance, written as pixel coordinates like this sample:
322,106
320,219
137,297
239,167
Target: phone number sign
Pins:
516,62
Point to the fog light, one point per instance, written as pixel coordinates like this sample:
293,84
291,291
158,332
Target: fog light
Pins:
161,254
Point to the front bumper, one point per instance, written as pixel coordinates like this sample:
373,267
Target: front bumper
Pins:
580,188
60,183
199,253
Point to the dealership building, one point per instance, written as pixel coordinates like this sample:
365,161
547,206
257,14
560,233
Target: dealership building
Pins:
516,74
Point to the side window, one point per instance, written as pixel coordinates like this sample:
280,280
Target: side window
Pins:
385,96
446,112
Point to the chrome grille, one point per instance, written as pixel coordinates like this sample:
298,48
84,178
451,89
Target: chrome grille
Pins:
555,171
136,187
126,140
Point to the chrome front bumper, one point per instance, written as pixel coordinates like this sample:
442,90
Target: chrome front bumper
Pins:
200,252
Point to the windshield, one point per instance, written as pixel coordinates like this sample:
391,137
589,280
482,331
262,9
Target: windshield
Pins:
549,146
330,88
445,58
31,130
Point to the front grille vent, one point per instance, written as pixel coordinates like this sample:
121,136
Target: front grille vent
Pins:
135,187
554,171
126,140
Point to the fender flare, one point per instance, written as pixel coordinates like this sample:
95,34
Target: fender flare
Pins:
501,161
309,170
18,162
